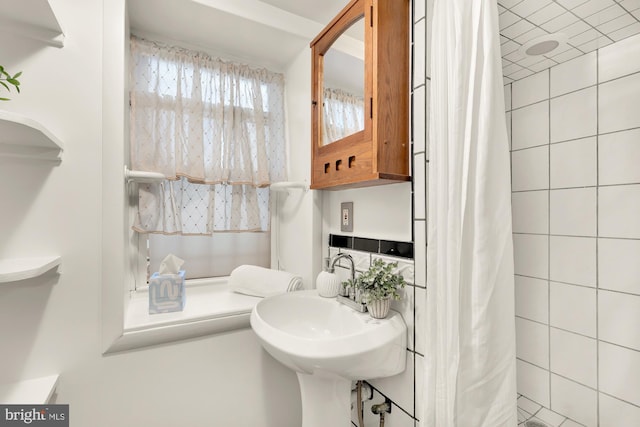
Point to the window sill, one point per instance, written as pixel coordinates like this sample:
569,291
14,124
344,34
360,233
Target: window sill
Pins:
210,308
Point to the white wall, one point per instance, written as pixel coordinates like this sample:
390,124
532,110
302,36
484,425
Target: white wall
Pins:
576,204
53,324
298,226
382,212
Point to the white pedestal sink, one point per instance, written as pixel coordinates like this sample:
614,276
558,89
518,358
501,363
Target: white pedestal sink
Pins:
328,345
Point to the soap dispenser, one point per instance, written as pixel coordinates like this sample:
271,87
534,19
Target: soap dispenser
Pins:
327,283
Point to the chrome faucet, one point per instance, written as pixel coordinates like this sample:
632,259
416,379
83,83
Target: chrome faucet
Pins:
343,297
332,268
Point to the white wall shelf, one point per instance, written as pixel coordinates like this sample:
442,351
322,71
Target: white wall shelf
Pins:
23,137
33,19
14,269
36,391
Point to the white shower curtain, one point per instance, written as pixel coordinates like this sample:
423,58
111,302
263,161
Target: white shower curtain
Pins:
470,362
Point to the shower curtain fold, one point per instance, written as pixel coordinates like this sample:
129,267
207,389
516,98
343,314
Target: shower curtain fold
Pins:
470,365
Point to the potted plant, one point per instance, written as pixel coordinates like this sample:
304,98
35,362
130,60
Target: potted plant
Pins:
7,79
378,286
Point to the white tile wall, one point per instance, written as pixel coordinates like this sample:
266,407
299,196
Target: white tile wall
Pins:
574,400
530,90
530,168
419,186
618,104
573,308
617,365
421,320
420,252
616,309
618,266
429,22
423,14
530,212
617,158
619,59
406,306
428,85
573,212
591,303
532,342
572,260
573,163
532,298
573,75
530,125
509,136
619,210
420,390
533,382
574,115
419,126
507,97
419,10
616,413
531,255
419,40
574,357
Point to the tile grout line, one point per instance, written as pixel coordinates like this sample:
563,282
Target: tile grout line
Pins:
574,91
549,233
597,332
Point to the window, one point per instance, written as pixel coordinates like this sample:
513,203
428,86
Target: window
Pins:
215,130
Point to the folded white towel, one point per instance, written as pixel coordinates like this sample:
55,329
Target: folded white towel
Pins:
262,282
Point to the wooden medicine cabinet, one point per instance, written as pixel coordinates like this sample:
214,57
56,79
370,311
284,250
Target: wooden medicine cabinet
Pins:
360,97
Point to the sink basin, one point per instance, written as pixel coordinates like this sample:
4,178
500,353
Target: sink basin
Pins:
319,336
328,345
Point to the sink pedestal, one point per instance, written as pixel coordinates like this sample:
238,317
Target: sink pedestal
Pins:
328,345
325,401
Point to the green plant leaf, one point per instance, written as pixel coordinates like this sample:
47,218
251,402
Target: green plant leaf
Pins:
13,82
5,99
5,85
17,75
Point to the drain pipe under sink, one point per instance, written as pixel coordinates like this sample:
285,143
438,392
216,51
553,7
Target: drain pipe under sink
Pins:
362,388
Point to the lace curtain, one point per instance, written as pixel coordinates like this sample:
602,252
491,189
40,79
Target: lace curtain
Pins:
343,114
215,130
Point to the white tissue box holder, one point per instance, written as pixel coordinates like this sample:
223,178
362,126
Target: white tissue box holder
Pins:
166,293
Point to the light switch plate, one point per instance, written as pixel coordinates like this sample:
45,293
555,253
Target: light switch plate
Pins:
346,216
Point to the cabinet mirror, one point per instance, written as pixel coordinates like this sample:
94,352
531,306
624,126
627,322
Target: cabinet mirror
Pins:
343,85
360,96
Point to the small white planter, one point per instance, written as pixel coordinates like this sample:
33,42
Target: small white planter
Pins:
379,309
